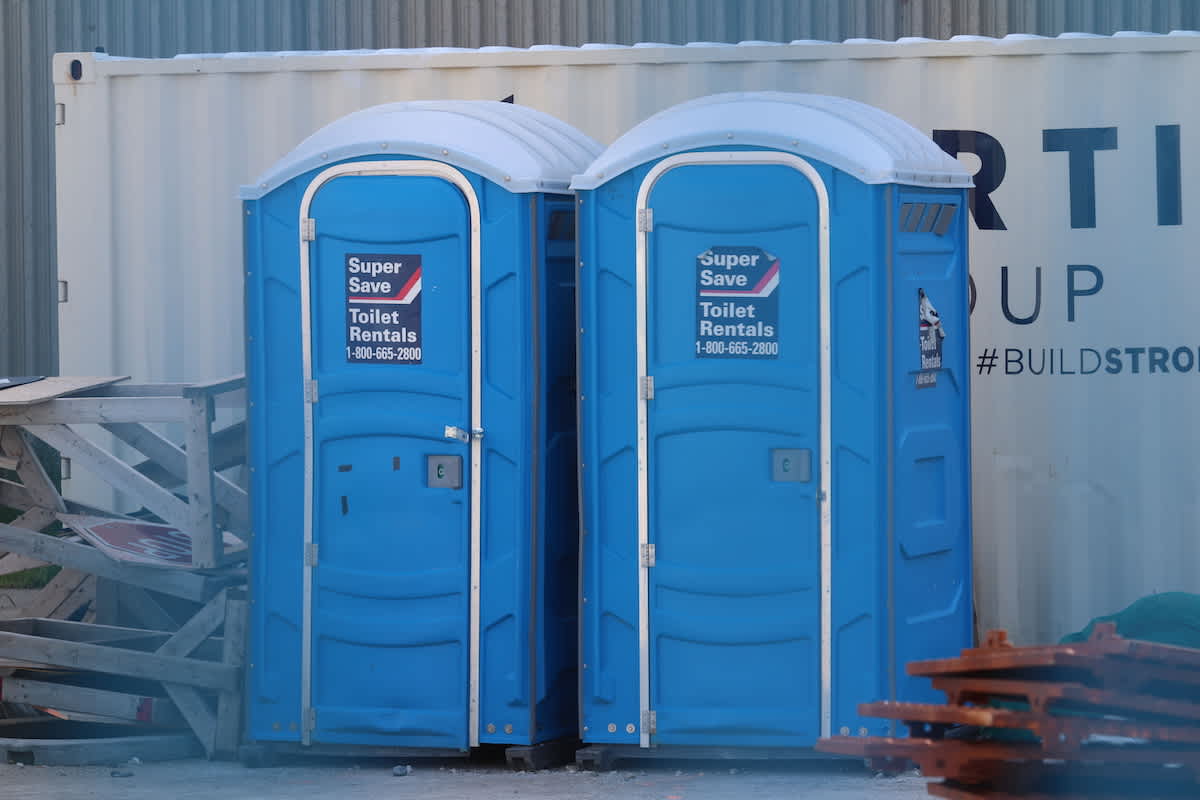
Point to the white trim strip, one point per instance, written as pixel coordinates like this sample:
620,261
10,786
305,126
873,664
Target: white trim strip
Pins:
459,181
732,157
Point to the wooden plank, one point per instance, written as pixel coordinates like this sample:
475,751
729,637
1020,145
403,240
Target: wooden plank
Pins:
84,595
13,495
135,390
218,386
107,607
235,398
118,661
116,473
203,624
30,470
111,750
55,593
49,388
177,583
69,631
174,460
229,704
145,609
34,519
96,410
199,715
207,547
118,705
15,562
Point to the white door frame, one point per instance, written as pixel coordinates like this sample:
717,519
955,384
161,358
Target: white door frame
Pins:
457,179
726,158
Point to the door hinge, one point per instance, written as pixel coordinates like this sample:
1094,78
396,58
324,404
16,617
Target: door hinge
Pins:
457,433
310,720
650,722
310,391
648,387
64,291
648,555
60,113
308,229
311,552
645,220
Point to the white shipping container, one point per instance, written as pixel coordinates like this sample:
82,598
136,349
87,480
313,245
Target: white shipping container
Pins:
1083,335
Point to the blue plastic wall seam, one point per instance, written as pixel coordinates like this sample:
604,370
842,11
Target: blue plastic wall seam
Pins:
582,450
536,426
890,608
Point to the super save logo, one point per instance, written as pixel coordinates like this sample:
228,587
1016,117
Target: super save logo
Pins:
737,303
383,308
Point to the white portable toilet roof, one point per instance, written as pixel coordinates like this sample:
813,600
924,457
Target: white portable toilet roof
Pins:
866,142
515,146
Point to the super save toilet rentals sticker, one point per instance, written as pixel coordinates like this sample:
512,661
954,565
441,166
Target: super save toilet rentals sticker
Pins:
737,303
383,308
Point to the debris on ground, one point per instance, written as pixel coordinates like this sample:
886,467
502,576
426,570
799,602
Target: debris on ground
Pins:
1109,717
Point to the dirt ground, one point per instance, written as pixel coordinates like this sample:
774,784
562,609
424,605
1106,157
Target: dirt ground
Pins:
343,779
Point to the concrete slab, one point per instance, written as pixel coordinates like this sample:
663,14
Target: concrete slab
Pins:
449,780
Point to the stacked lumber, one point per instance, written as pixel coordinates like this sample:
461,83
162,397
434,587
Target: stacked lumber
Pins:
70,594
136,645
1106,718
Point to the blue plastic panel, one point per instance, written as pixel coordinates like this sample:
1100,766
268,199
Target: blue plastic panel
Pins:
933,596
733,344
391,620
391,590
890,604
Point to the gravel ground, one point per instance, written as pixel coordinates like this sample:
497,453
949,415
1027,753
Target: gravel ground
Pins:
341,779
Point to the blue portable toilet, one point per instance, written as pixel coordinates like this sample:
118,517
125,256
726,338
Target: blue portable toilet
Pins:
410,358
774,421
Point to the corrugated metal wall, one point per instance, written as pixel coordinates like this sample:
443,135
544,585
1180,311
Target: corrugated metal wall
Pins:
32,30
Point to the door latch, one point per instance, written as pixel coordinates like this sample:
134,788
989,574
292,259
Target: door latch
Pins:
461,435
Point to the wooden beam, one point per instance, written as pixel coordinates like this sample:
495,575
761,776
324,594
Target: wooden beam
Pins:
174,461
96,410
83,596
229,704
219,386
15,562
203,624
55,594
207,547
117,473
35,519
136,390
68,631
114,750
13,495
48,388
130,639
199,715
118,661
145,609
117,705
177,583
30,470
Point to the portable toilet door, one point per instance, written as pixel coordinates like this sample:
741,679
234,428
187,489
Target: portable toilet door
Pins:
398,268
722,411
